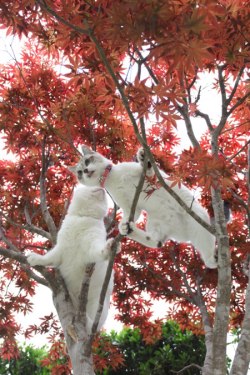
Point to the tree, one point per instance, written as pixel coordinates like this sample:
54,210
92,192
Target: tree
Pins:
128,81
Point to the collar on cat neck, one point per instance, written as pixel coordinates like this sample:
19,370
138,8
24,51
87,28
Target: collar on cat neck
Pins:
104,177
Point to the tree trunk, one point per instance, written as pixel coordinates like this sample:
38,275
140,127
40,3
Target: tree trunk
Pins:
208,363
242,356
81,359
74,328
223,287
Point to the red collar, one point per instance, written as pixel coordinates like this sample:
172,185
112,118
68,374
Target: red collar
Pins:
104,177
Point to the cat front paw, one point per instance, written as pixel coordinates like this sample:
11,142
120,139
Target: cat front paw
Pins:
126,228
34,259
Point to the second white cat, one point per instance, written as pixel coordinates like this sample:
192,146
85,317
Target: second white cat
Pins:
166,219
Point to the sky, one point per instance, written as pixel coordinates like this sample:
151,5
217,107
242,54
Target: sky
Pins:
209,103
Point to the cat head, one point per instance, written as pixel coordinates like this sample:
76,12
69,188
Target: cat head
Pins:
89,201
90,167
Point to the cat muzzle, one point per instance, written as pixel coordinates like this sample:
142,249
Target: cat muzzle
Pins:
88,173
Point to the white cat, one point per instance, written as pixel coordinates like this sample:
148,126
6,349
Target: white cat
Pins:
166,219
82,240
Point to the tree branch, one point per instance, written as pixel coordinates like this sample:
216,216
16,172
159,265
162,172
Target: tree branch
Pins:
184,112
242,356
236,84
238,103
206,118
53,13
29,227
21,258
186,368
143,60
45,212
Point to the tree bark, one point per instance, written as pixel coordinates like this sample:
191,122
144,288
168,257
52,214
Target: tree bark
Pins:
242,356
223,287
77,339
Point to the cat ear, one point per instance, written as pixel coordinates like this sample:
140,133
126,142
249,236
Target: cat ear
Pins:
86,150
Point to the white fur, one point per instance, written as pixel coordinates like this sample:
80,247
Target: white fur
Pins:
82,240
166,218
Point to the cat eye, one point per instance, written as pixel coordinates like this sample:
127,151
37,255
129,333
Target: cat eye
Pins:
79,173
87,162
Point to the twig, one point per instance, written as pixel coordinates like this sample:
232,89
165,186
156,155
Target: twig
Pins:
30,227
186,368
206,118
46,215
184,112
48,9
143,61
240,150
236,84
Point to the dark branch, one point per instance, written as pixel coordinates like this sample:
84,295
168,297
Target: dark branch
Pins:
206,118
186,368
53,13
236,84
45,212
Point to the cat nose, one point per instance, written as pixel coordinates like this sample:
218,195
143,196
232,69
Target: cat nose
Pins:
86,170
79,173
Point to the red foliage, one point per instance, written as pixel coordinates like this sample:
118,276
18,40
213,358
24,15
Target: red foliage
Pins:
60,94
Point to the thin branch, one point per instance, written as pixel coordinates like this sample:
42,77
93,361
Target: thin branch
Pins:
21,258
236,84
222,89
184,112
206,118
240,150
46,215
184,277
238,103
186,368
49,10
143,61
29,227
242,356
138,190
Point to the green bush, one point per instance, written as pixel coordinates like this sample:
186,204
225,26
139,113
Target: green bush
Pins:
172,352
28,363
